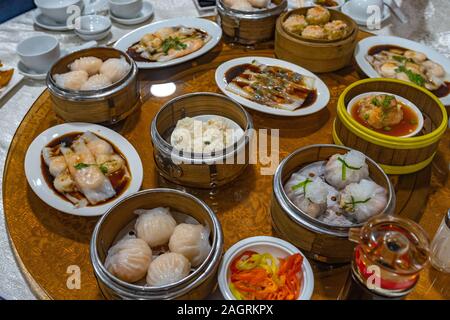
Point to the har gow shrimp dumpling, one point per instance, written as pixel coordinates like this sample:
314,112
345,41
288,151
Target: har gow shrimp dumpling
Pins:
72,80
191,240
115,68
91,65
96,82
129,259
168,268
155,226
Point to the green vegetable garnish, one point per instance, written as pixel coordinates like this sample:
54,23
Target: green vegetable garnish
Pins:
302,184
103,168
387,128
413,121
387,101
344,168
81,165
413,77
375,102
400,58
351,205
366,116
172,43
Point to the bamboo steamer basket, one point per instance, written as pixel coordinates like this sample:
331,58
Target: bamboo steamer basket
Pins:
252,27
109,105
395,155
198,285
316,56
318,240
200,170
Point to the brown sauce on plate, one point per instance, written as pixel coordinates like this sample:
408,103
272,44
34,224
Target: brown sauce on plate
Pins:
116,178
408,124
442,91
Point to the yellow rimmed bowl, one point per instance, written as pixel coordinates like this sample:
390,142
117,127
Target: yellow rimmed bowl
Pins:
396,155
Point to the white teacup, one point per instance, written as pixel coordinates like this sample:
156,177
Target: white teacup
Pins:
125,9
57,10
38,53
360,9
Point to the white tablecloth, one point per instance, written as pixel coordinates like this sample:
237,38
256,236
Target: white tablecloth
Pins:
429,23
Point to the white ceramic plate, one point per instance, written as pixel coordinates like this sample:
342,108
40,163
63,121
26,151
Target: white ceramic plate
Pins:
363,47
145,14
323,94
207,26
37,181
278,248
15,80
363,22
47,23
399,98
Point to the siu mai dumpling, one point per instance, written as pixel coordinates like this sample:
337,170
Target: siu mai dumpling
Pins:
192,241
168,268
129,259
155,226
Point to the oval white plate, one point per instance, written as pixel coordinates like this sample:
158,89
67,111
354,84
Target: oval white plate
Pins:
323,94
363,47
207,26
263,244
399,98
37,181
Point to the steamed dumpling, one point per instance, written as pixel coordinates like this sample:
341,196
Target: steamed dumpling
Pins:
191,240
341,170
363,200
168,268
129,259
259,3
72,80
96,82
115,69
89,64
155,226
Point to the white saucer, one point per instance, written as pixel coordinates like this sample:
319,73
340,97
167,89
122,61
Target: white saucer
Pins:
47,23
146,13
363,22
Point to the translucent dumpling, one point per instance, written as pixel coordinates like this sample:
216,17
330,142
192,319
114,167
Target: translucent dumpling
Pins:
192,241
96,82
115,69
72,80
155,226
91,65
341,170
168,268
129,259
363,200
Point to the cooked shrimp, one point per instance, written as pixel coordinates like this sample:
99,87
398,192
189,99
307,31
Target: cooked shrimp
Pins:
191,46
415,56
380,111
434,69
388,69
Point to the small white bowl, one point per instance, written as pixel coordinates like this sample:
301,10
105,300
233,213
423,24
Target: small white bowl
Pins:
399,98
92,24
126,9
38,53
263,244
57,10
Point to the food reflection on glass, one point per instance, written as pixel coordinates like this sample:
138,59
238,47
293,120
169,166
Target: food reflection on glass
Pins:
92,73
395,62
160,248
317,25
272,86
387,114
85,169
206,134
168,44
338,192
261,276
